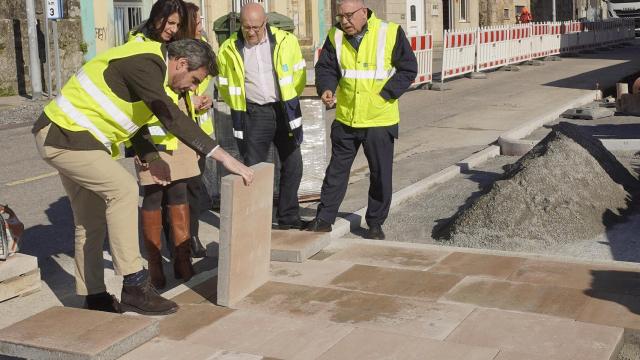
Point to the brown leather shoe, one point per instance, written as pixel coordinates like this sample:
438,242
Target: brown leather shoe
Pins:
182,267
144,299
151,233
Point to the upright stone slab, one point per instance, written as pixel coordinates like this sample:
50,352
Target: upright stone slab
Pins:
245,234
74,334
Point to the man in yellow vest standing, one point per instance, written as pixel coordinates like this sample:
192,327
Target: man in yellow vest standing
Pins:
371,64
262,74
104,104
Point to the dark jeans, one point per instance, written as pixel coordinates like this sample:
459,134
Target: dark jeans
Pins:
266,124
377,143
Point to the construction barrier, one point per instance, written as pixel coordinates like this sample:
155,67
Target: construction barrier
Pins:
459,52
570,34
493,47
422,46
519,43
553,38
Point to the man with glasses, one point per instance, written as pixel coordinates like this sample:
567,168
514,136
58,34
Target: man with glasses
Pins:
371,64
262,74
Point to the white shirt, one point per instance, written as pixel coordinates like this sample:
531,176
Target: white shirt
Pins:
259,75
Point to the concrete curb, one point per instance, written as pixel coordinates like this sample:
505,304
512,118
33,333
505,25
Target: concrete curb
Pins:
510,141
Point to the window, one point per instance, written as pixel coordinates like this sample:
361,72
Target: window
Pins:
413,13
505,14
464,6
127,15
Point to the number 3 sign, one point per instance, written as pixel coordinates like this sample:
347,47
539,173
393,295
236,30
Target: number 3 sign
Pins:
54,9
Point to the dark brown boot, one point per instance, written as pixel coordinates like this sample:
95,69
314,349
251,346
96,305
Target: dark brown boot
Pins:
151,233
144,299
180,230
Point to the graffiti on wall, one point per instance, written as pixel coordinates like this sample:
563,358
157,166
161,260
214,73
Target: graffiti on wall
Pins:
101,33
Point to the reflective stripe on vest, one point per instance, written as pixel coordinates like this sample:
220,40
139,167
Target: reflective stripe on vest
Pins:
121,118
379,73
82,120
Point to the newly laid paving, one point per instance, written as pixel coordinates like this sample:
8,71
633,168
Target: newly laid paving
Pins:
382,300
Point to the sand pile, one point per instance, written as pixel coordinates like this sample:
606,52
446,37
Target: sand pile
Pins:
567,188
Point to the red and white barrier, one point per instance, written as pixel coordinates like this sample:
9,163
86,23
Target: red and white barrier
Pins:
422,46
459,53
538,33
553,39
519,43
493,47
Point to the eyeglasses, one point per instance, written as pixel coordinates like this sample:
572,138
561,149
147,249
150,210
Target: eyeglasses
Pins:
253,28
347,16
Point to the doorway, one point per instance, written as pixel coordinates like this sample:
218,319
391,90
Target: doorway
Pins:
446,14
415,17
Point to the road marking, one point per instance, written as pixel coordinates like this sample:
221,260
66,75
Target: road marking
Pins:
30,179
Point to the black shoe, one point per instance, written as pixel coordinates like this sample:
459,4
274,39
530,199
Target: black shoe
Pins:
298,225
144,299
318,225
197,249
375,233
103,302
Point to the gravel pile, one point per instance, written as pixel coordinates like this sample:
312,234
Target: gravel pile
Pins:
567,188
26,112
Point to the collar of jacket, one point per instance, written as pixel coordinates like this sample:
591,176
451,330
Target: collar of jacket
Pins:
240,41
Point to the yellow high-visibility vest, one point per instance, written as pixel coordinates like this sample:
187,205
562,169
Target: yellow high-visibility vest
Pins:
364,74
87,103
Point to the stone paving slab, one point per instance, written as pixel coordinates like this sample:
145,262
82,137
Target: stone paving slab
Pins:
514,355
548,336
164,349
204,292
388,313
22,285
613,310
389,256
295,245
397,282
579,276
189,319
315,273
507,295
271,336
372,344
16,265
494,266
68,333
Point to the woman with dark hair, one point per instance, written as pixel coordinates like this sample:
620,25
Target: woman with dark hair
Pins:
172,199
163,23
192,29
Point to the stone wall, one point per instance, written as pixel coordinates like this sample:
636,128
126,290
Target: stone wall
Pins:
15,76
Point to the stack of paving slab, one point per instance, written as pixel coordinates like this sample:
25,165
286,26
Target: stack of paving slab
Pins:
19,276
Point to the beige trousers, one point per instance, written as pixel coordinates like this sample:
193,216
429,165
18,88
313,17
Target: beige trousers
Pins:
104,199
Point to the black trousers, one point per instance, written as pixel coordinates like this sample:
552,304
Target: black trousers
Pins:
266,124
377,143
